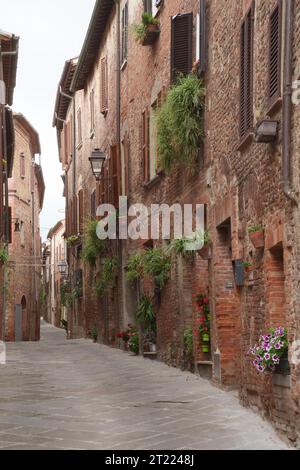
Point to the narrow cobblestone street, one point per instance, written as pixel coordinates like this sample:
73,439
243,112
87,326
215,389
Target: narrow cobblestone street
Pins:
60,394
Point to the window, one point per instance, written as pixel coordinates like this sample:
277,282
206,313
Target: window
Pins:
275,53
152,6
93,204
80,211
124,50
246,77
145,145
201,37
124,165
22,165
79,126
104,86
92,111
181,45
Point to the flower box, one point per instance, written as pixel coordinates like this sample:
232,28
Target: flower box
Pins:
257,239
151,35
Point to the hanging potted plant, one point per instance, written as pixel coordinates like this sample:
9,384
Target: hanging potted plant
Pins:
257,236
147,31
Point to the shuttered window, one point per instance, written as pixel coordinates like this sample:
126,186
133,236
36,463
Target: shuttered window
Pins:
145,145
92,111
115,175
80,211
246,77
181,45
22,165
124,52
104,86
275,53
125,165
201,38
93,204
148,6
9,231
75,215
79,126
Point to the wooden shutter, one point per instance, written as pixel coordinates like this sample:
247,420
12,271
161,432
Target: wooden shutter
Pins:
93,204
126,164
80,211
71,125
275,30
115,175
79,126
22,165
75,215
246,74
202,37
181,45
9,231
124,33
92,111
145,144
71,225
104,85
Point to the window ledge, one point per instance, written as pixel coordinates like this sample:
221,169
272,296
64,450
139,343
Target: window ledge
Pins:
274,106
123,66
152,182
246,141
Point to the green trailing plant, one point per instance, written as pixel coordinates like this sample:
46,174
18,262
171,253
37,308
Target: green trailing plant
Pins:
140,29
246,264
92,245
256,228
68,296
42,296
180,123
108,275
94,334
157,264
145,314
72,240
186,246
135,267
134,343
188,338
4,256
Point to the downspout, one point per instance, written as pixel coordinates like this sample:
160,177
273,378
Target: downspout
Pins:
287,102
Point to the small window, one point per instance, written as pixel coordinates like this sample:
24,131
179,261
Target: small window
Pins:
275,31
92,111
246,74
22,165
124,52
104,86
79,126
93,204
181,45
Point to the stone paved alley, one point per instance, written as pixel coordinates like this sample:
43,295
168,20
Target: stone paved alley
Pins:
60,394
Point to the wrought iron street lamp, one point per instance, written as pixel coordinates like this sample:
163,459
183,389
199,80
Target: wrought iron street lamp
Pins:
63,268
97,160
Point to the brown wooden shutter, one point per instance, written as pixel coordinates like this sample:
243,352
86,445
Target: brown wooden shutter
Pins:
71,218
79,126
9,225
246,74
115,175
181,45
75,215
93,204
104,85
80,211
126,164
202,38
275,52
145,147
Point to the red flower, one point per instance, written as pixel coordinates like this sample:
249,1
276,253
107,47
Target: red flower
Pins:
206,300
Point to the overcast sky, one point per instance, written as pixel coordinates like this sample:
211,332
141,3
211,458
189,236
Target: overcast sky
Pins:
51,31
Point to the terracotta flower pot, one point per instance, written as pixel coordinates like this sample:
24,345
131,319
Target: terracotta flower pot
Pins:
152,34
205,252
257,239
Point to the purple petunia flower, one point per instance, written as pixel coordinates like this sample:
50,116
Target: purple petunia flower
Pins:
277,346
260,368
267,356
272,366
275,358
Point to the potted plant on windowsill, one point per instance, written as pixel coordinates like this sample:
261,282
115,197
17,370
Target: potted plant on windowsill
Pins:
203,318
147,31
256,234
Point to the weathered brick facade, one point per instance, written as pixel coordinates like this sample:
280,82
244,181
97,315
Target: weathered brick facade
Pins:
26,193
240,182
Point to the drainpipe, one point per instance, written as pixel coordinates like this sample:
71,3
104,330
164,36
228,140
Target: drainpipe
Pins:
287,103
